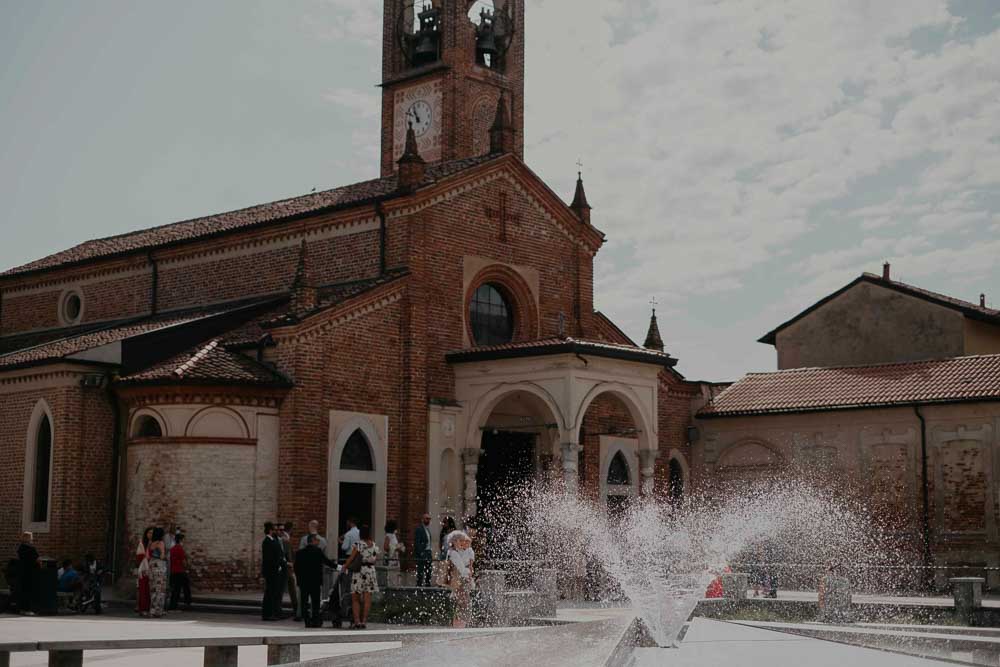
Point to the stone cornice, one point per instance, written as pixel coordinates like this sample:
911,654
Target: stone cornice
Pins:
45,377
335,316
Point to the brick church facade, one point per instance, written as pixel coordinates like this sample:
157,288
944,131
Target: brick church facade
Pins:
338,353
380,350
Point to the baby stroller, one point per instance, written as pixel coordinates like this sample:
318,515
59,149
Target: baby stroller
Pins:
90,595
338,605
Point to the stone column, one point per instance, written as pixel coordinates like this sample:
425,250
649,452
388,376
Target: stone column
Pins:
647,470
470,463
968,592
571,466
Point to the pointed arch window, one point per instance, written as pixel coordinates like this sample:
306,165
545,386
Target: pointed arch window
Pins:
675,483
618,473
42,471
357,453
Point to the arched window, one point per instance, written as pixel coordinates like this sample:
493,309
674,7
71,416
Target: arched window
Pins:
147,427
43,467
618,474
357,453
491,316
675,483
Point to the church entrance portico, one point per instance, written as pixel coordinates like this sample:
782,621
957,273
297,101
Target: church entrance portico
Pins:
542,391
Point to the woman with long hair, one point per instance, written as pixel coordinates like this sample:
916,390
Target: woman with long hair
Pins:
363,582
142,572
157,574
460,559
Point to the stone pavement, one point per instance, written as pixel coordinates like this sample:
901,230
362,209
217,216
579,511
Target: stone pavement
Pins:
186,624
711,642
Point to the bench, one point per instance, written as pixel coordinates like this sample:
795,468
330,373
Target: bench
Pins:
221,651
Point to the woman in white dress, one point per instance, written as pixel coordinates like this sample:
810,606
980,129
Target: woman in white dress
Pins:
460,559
392,548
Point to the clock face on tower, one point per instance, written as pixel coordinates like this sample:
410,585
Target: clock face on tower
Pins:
420,116
418,105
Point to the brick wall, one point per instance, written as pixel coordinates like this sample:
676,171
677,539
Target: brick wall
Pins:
81,469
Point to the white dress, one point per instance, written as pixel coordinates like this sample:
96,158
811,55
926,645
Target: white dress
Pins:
391,555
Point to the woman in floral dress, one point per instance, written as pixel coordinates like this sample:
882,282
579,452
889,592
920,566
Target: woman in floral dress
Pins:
363,582
157,574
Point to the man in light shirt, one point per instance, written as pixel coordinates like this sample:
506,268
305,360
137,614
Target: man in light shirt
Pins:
350,538
313,530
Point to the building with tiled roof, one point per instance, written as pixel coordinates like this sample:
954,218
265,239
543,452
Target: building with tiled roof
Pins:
377,350
885,390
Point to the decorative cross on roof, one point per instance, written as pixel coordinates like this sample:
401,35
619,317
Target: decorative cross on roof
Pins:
654,303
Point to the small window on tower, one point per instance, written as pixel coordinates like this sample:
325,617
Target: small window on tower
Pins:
491,316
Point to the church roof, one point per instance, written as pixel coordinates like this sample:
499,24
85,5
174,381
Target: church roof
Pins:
549,346
954,380
967,308
211,363
205,227
75,344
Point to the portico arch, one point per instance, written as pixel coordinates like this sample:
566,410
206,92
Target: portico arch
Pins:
485,406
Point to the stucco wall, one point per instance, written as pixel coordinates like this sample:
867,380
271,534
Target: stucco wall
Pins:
876,454
869,324
981,338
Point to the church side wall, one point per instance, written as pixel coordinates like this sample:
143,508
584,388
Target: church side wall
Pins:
111,291
80,482
355,367
869,324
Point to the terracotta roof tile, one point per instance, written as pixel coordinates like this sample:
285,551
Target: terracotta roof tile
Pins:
560,346
210,363
188,230
811,389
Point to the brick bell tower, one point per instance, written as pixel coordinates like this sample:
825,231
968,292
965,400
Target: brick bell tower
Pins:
446,64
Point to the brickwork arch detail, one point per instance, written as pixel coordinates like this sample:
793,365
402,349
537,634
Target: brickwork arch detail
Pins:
147,413
517,292
628,396
216,421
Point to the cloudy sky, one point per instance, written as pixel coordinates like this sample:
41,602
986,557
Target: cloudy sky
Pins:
744,157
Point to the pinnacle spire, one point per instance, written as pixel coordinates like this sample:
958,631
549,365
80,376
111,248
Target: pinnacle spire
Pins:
653,339
412,167
580,205
501,132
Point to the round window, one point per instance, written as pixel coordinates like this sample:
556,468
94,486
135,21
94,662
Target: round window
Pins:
72,308
491,316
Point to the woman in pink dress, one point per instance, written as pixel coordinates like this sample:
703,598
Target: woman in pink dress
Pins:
142,563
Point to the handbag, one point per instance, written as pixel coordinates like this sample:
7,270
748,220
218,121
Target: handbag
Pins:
355,565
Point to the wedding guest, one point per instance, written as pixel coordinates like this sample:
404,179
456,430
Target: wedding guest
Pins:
460,560
179,581
313,530
272,569
350,538
422,551
447,528
309,562
142,572
157,558
392,548
284,534
27,556
364,582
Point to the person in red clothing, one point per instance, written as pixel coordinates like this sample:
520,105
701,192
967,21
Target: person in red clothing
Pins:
178,574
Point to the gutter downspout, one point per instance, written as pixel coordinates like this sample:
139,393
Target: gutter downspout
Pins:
925,519
111,560
154,287
380,212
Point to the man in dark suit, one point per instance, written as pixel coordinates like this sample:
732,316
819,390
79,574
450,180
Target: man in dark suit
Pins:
422,551
309,562
272,568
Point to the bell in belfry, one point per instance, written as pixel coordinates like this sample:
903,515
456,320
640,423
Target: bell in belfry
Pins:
426,49
486,42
